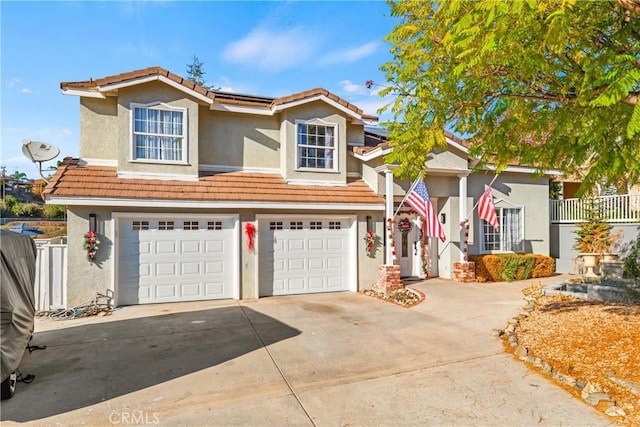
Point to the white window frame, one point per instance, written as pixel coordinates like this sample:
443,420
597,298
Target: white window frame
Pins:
334,150
504,246
185,131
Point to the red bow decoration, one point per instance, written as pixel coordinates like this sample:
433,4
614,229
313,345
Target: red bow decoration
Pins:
250,231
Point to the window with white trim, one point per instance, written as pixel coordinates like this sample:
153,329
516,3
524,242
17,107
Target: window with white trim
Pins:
510,235
317,146
159,133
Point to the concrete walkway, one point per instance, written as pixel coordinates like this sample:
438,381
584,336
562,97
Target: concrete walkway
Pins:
325,360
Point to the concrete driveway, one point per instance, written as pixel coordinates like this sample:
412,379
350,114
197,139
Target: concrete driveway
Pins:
326,360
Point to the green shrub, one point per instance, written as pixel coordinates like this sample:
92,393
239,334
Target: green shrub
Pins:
510,267
30,210
632,262
54,211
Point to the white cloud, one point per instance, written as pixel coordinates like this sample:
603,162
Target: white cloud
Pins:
350,55
350,87
13,82
26,90
271,50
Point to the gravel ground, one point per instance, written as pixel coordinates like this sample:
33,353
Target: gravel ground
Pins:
592,341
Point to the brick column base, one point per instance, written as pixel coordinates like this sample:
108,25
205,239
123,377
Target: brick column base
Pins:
388,279
464,271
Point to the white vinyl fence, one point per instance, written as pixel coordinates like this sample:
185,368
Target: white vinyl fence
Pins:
50,289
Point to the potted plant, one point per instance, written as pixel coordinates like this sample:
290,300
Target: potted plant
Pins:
611,253
593,237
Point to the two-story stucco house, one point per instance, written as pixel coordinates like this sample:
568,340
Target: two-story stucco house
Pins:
199,194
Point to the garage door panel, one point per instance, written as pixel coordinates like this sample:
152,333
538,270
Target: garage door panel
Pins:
335,263
191,290
297,255
140,247
215,267
278,286
214,288
296,244
278,245
335,243
167,292
316,283
316,244
190,247
144,271
214,246
297,284
176,259
316,263
166,269
190,268
296,265
335,282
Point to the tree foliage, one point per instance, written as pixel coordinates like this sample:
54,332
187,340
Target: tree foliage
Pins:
195,73
548,83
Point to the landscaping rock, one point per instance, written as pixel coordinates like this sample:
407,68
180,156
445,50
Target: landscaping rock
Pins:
595,398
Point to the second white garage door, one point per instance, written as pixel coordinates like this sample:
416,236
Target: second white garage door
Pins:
176,258
306,255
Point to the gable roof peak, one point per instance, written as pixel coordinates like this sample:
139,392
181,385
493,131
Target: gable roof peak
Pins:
97,87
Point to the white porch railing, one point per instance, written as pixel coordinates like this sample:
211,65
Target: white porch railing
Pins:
615,209
50,288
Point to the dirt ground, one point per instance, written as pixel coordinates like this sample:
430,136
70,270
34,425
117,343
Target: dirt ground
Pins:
592,341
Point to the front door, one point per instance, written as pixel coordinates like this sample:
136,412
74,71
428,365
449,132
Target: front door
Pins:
408,248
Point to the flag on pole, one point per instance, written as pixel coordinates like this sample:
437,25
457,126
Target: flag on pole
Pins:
486,208
419,200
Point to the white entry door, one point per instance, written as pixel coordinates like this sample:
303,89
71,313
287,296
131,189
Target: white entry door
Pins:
176,258
305,255
408,245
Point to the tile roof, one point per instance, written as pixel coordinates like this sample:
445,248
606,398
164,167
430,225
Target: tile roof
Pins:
75,180
215,95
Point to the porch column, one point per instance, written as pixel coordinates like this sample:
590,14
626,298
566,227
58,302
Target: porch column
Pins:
388,175
462,195
388,198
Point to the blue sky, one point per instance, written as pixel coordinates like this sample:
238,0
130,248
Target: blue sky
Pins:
269,48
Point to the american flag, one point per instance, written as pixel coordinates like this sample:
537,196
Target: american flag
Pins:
419,200
486,208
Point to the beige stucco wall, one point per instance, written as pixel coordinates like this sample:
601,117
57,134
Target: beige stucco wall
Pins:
368,264
150,93
84,278
313,110
99,128
239,140
519,190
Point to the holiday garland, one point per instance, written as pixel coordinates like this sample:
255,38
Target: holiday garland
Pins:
370,239
91,245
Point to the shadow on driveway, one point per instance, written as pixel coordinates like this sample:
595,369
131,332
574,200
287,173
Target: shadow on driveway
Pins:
88,364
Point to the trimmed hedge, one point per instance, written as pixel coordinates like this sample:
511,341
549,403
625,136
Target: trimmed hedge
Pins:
510,267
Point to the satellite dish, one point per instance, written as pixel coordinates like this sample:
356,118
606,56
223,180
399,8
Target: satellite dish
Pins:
39,151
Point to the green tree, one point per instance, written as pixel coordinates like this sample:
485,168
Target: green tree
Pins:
54,211
195,73
18,176
552,83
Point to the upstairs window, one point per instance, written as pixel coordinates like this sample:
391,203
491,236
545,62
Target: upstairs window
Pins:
159,133
317,146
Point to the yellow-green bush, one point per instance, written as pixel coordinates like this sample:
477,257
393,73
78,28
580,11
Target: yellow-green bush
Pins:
510,267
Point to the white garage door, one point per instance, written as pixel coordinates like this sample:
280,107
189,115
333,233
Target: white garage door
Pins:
299,256
171,259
